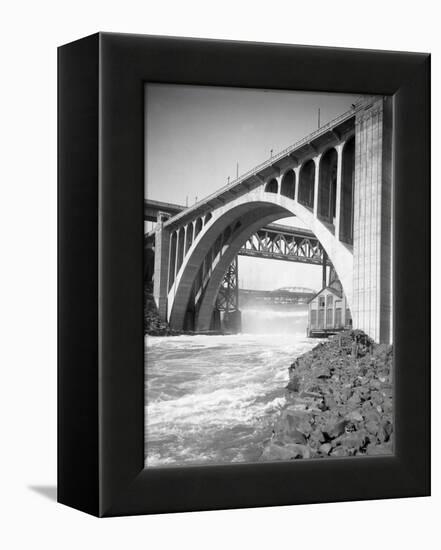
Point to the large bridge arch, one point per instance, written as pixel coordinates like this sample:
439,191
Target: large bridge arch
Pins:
350,215
207,303
252,211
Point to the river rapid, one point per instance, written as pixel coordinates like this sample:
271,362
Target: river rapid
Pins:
213,399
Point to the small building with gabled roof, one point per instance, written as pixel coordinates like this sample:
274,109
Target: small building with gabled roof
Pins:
328,312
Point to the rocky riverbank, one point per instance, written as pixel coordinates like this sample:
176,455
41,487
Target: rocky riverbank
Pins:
338,402
152,323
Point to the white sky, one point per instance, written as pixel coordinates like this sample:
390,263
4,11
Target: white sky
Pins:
196,135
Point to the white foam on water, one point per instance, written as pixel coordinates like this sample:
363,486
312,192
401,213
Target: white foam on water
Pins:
207,396
274,313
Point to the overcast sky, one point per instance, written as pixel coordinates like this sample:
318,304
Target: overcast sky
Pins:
196,136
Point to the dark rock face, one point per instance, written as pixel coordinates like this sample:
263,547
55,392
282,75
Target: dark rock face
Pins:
152,323
338,402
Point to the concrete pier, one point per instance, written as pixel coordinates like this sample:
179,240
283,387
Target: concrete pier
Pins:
371,305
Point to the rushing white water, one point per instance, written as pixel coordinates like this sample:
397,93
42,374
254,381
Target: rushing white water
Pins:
212,399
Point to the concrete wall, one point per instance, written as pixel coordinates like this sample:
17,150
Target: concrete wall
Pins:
371,301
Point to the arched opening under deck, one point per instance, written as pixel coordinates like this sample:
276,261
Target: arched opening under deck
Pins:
288,186
272,186
347,193
327,189
306,184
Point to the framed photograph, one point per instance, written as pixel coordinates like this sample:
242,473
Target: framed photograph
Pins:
244,274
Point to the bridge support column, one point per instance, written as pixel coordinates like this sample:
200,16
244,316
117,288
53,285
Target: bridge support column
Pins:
228,300
297,176
339,149
215,320
372,289
316,184
162,250
232,321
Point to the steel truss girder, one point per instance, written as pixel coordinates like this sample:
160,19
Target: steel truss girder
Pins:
283,246
289,245
228,295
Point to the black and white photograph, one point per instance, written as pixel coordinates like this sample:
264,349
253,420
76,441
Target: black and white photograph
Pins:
268,284
220,275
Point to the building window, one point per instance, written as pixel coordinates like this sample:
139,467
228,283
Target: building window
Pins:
321,301
329,299
321,318
338,323
329,317
313,317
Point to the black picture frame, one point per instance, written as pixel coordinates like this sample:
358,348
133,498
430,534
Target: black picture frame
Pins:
100,284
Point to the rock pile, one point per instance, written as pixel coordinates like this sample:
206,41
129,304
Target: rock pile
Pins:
152,323
338,402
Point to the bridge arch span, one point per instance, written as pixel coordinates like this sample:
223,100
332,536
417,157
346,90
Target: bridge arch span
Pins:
208,299
244,215
351,217
210,246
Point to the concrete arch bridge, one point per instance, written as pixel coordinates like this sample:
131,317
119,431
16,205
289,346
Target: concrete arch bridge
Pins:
337,181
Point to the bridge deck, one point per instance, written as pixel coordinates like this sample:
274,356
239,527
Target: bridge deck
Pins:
152,207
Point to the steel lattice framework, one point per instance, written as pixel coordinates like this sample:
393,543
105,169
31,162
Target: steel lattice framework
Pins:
278,242
228,295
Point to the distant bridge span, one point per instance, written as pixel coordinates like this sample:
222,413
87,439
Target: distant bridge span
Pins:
337,181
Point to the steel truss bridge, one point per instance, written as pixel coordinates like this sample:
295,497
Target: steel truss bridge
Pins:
283,242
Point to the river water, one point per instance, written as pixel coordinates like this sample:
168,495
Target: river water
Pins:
213,399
